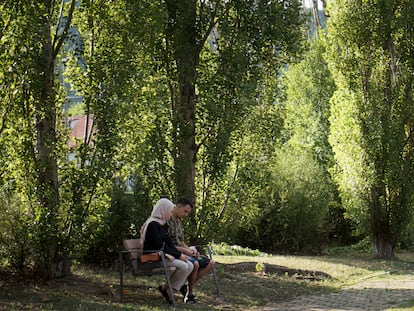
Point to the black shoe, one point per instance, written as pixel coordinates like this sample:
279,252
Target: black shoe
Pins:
189,299
164,292
183,290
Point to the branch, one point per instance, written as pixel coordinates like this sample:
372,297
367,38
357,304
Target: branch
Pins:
89,132
213,22
409,138
62,38
4,117
60,18
227,196
203,140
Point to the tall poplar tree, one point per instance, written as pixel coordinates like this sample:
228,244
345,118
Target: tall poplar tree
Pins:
371,56
33,33
61,202
214,53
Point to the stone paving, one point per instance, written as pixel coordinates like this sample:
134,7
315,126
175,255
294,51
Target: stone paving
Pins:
373,294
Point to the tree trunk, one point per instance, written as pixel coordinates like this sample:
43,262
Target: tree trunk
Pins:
46,164
53,261
182,34
382,237
382,248
186,146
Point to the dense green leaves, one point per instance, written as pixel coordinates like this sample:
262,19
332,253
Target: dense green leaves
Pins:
185,98
61,202
367,49
214,59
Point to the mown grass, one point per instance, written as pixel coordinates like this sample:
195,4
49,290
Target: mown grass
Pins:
409,305
242,286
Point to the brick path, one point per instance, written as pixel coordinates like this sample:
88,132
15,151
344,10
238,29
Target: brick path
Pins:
373,294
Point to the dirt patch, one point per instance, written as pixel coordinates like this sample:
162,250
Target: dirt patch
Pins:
265,268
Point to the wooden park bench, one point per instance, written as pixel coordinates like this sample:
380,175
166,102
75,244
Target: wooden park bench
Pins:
148,264
151,263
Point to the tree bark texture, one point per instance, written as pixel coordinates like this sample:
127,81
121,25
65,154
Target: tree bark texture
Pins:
382,235
53,264
182,35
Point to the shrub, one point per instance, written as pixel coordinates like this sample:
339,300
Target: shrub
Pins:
235,250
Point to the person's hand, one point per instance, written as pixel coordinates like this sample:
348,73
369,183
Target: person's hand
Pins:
193,252
184,257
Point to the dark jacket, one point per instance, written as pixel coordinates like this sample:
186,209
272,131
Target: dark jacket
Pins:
157,236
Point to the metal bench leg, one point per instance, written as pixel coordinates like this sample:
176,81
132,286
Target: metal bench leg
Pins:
121,277
168,280
210,254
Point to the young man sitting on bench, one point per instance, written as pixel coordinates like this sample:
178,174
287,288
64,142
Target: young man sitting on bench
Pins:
202,264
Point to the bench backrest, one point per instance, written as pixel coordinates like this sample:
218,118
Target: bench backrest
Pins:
134,248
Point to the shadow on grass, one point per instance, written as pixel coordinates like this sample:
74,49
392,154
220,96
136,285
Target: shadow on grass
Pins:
403,263
92,290
242,288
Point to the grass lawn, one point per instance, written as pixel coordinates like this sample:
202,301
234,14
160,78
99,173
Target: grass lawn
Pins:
246,283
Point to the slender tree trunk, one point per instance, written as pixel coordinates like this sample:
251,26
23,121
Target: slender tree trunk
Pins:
186,146
182,34
55,259
47,175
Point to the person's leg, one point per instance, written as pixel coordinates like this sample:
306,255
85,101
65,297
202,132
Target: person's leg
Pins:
182,271
193,277
203,271
197,274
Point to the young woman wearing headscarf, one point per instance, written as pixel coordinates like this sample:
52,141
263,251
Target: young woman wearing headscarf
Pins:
154,233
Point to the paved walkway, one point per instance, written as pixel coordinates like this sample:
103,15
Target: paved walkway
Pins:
372,294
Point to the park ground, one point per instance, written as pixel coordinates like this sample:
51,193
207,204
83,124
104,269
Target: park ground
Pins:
270,282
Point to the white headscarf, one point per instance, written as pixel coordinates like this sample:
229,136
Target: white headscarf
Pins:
158,214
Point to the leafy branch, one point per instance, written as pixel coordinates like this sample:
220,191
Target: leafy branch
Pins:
59,39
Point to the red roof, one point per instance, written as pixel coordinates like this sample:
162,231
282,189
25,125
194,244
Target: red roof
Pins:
78,131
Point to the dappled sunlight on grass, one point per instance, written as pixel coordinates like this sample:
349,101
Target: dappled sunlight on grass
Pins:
335,270
344,270
244,284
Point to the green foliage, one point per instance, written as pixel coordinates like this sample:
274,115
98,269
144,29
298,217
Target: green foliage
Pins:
98,68
186,106
259,267
364,247
407,239
349,154
185,98
15,236
308,88
105,236
235,197
235,250
65,201
76,110
374,102
282,189
242,45
296,220
30,101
